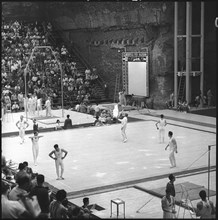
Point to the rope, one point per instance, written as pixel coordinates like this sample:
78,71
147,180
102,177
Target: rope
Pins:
144,204
196,160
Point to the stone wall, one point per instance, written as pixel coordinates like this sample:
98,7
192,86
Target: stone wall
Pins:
22,11
100,30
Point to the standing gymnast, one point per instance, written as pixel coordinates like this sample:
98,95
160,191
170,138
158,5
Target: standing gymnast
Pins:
162,123
35,146
58,160
123,127
173,149
39,106
22,125
48,107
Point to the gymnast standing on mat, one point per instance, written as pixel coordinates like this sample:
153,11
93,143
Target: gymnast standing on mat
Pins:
48,107
22,125
124,122
58,160
173,149
162,123
35,146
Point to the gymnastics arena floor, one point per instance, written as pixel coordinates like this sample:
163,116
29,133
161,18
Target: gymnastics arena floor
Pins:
98,159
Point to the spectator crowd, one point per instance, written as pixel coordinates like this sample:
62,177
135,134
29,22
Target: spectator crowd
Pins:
25,194
43,72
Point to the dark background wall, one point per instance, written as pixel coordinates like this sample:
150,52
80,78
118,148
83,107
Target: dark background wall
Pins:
98,29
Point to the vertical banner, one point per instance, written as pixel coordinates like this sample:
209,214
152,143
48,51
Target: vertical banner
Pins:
138,82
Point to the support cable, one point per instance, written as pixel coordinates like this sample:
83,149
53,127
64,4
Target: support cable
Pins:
196,160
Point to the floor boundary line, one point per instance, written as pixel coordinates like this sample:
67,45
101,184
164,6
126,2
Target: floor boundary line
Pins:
132,183
197,129
181,120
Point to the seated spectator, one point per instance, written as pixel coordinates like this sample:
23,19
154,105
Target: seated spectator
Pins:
17,88
64,51
65,203
49,27
33,181
42,194
89,109
5,169
56,208
205,208
77,107
185,106
13,97
98,122
68,122
108,116
58,125
197,101
94,71
209,97
179,106
28,169
97,110
87,74
204,99
74,212
86,99
85,210
170,103
15,107
7,101
21,173
103,116
83,107
21,189
21,100
11,209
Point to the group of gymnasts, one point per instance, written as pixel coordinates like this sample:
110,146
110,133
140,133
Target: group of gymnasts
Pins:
56,154
33,104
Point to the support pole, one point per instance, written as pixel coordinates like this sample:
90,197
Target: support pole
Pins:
175,53
126,84
62,90
202,52
188,34
25,73
62,93
208,194
190,53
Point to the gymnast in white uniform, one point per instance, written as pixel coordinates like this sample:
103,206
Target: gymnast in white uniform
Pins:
58,160
22,125
162,123
35,146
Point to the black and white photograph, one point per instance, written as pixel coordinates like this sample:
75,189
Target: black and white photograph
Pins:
108,109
